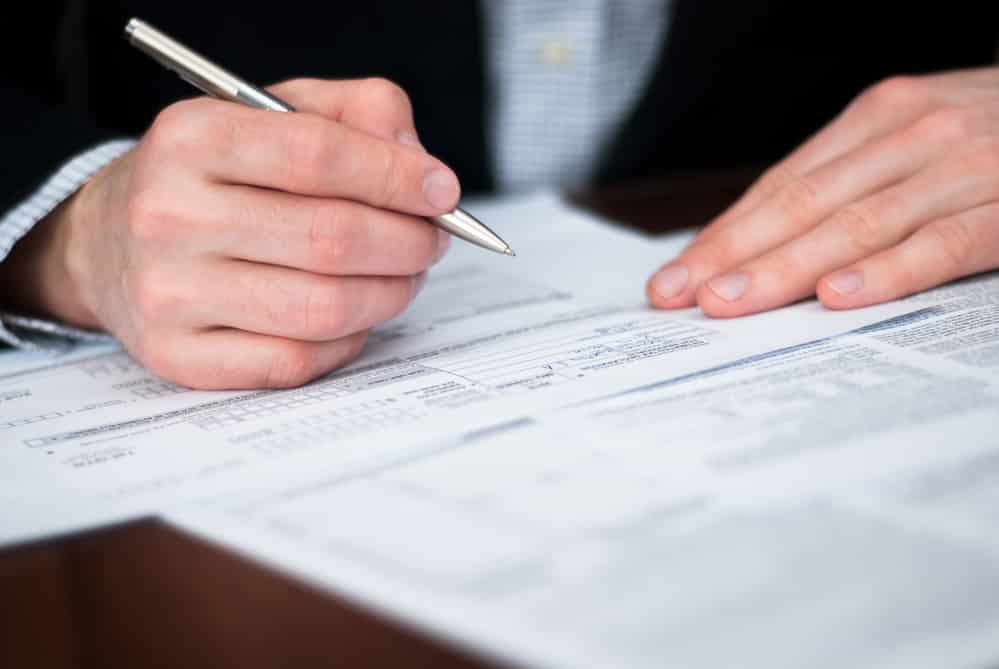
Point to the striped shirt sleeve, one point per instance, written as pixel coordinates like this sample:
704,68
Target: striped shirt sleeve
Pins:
28,331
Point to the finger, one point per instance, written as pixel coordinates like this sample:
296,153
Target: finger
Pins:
947,249
790,272
233,359
310,155
801,205
882,108
320,235
305,154
863,120
375,106
966,85
299,305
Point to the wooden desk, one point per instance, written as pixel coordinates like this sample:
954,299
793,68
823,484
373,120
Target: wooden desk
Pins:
146,595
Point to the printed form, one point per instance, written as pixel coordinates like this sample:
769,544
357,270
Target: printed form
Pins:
480,348
533,463
827,504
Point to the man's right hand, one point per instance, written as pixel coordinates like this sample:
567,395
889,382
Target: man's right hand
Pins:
239,248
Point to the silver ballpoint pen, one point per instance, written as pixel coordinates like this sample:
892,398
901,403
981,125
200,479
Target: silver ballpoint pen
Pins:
217,82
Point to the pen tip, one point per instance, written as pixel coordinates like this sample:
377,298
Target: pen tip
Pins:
509,251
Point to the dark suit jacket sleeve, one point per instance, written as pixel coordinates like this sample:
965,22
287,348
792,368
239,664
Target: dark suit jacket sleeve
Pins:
39,130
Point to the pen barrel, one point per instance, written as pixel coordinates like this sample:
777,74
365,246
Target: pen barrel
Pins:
197,70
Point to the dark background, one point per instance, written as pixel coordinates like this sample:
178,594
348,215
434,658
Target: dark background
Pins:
737,83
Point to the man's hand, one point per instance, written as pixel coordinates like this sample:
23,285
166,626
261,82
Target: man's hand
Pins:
234,247
898,194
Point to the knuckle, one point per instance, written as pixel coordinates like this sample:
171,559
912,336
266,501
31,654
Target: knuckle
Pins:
332,235
387,94
772,180
310,151
166,126
956,241
859,227
947,123
797,200
322,312
153,298
392,171
149,217
785,265
712,252
156,355
290,364
181,128
894,92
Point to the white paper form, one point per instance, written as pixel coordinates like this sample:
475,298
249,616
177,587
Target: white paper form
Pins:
567,247
99,439
831,504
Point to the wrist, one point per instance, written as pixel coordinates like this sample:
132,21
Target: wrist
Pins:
41,277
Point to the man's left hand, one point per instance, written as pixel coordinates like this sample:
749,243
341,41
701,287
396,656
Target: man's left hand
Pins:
899,193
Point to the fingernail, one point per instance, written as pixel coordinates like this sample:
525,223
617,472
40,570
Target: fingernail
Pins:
443,243
729,287
846,282
419,282
441,190
670,281
409,139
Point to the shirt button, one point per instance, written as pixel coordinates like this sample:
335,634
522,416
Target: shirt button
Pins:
555,52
